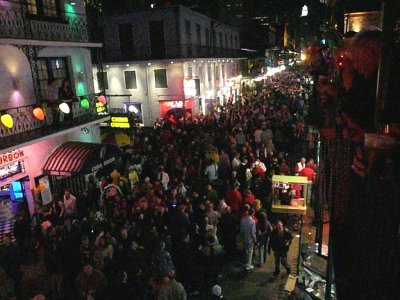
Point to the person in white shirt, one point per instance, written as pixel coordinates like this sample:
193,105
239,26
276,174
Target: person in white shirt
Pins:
163,177
69,203
257,140
211,172
300,166
236,161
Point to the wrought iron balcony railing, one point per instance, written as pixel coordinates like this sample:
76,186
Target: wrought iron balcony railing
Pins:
26,127
171,51
17,23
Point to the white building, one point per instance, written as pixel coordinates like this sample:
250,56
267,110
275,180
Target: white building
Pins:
40,40
167,58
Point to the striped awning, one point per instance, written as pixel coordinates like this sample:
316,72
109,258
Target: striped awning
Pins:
80,158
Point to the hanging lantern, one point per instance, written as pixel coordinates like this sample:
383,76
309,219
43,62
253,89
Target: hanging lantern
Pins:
102,100
38,113
85,103
7,120
64,108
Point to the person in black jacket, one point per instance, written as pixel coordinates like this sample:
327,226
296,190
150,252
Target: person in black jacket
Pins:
280,241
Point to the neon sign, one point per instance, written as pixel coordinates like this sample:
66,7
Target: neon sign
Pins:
11,156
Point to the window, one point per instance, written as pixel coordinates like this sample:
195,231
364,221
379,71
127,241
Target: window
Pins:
223,71
32,7
51,68
221,42
209,73
47,8
190,72
187,27
216,73
102,80
160,77
198,34
125,33
201,73
130,80
236,42
207,37
226,40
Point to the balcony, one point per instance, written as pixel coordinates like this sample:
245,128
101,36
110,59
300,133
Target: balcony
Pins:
17,23
171,52
27,128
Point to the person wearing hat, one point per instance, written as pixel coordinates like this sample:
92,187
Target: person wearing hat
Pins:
216,292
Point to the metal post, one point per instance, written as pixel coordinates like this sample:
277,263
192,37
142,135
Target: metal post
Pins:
387,92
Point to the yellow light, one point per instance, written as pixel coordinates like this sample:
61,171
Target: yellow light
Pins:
64,108
7,120
303,57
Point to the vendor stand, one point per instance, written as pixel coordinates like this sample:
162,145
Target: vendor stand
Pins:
289,194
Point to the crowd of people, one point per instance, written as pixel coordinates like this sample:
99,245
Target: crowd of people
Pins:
188,198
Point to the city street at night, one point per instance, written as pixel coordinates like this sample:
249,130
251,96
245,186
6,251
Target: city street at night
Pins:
204,150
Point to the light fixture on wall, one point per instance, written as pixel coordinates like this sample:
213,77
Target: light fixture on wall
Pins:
172,62
149,64
7,120
107,66
38,113
72,2
64,108
127,65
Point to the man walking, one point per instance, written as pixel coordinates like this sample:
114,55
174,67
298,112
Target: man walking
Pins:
280,241
248,231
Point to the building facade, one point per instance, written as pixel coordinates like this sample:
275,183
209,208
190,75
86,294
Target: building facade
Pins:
167,58
41,41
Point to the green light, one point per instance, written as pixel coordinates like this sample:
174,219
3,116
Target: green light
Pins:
80,89
70,10
85,103
323,41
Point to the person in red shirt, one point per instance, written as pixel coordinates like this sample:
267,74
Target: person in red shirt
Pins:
233,198
309,173
249,197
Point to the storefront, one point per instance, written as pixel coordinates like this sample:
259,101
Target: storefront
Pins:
72,163
177,109
14,188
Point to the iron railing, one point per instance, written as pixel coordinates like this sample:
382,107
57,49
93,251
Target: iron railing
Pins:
26,127
172,51
17,23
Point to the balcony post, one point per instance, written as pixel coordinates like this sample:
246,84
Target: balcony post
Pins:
31,52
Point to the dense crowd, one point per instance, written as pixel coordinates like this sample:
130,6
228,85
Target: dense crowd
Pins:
177,207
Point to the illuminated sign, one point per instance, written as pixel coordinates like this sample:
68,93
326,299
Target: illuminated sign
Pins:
11,156
120,125
119,119
120,122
